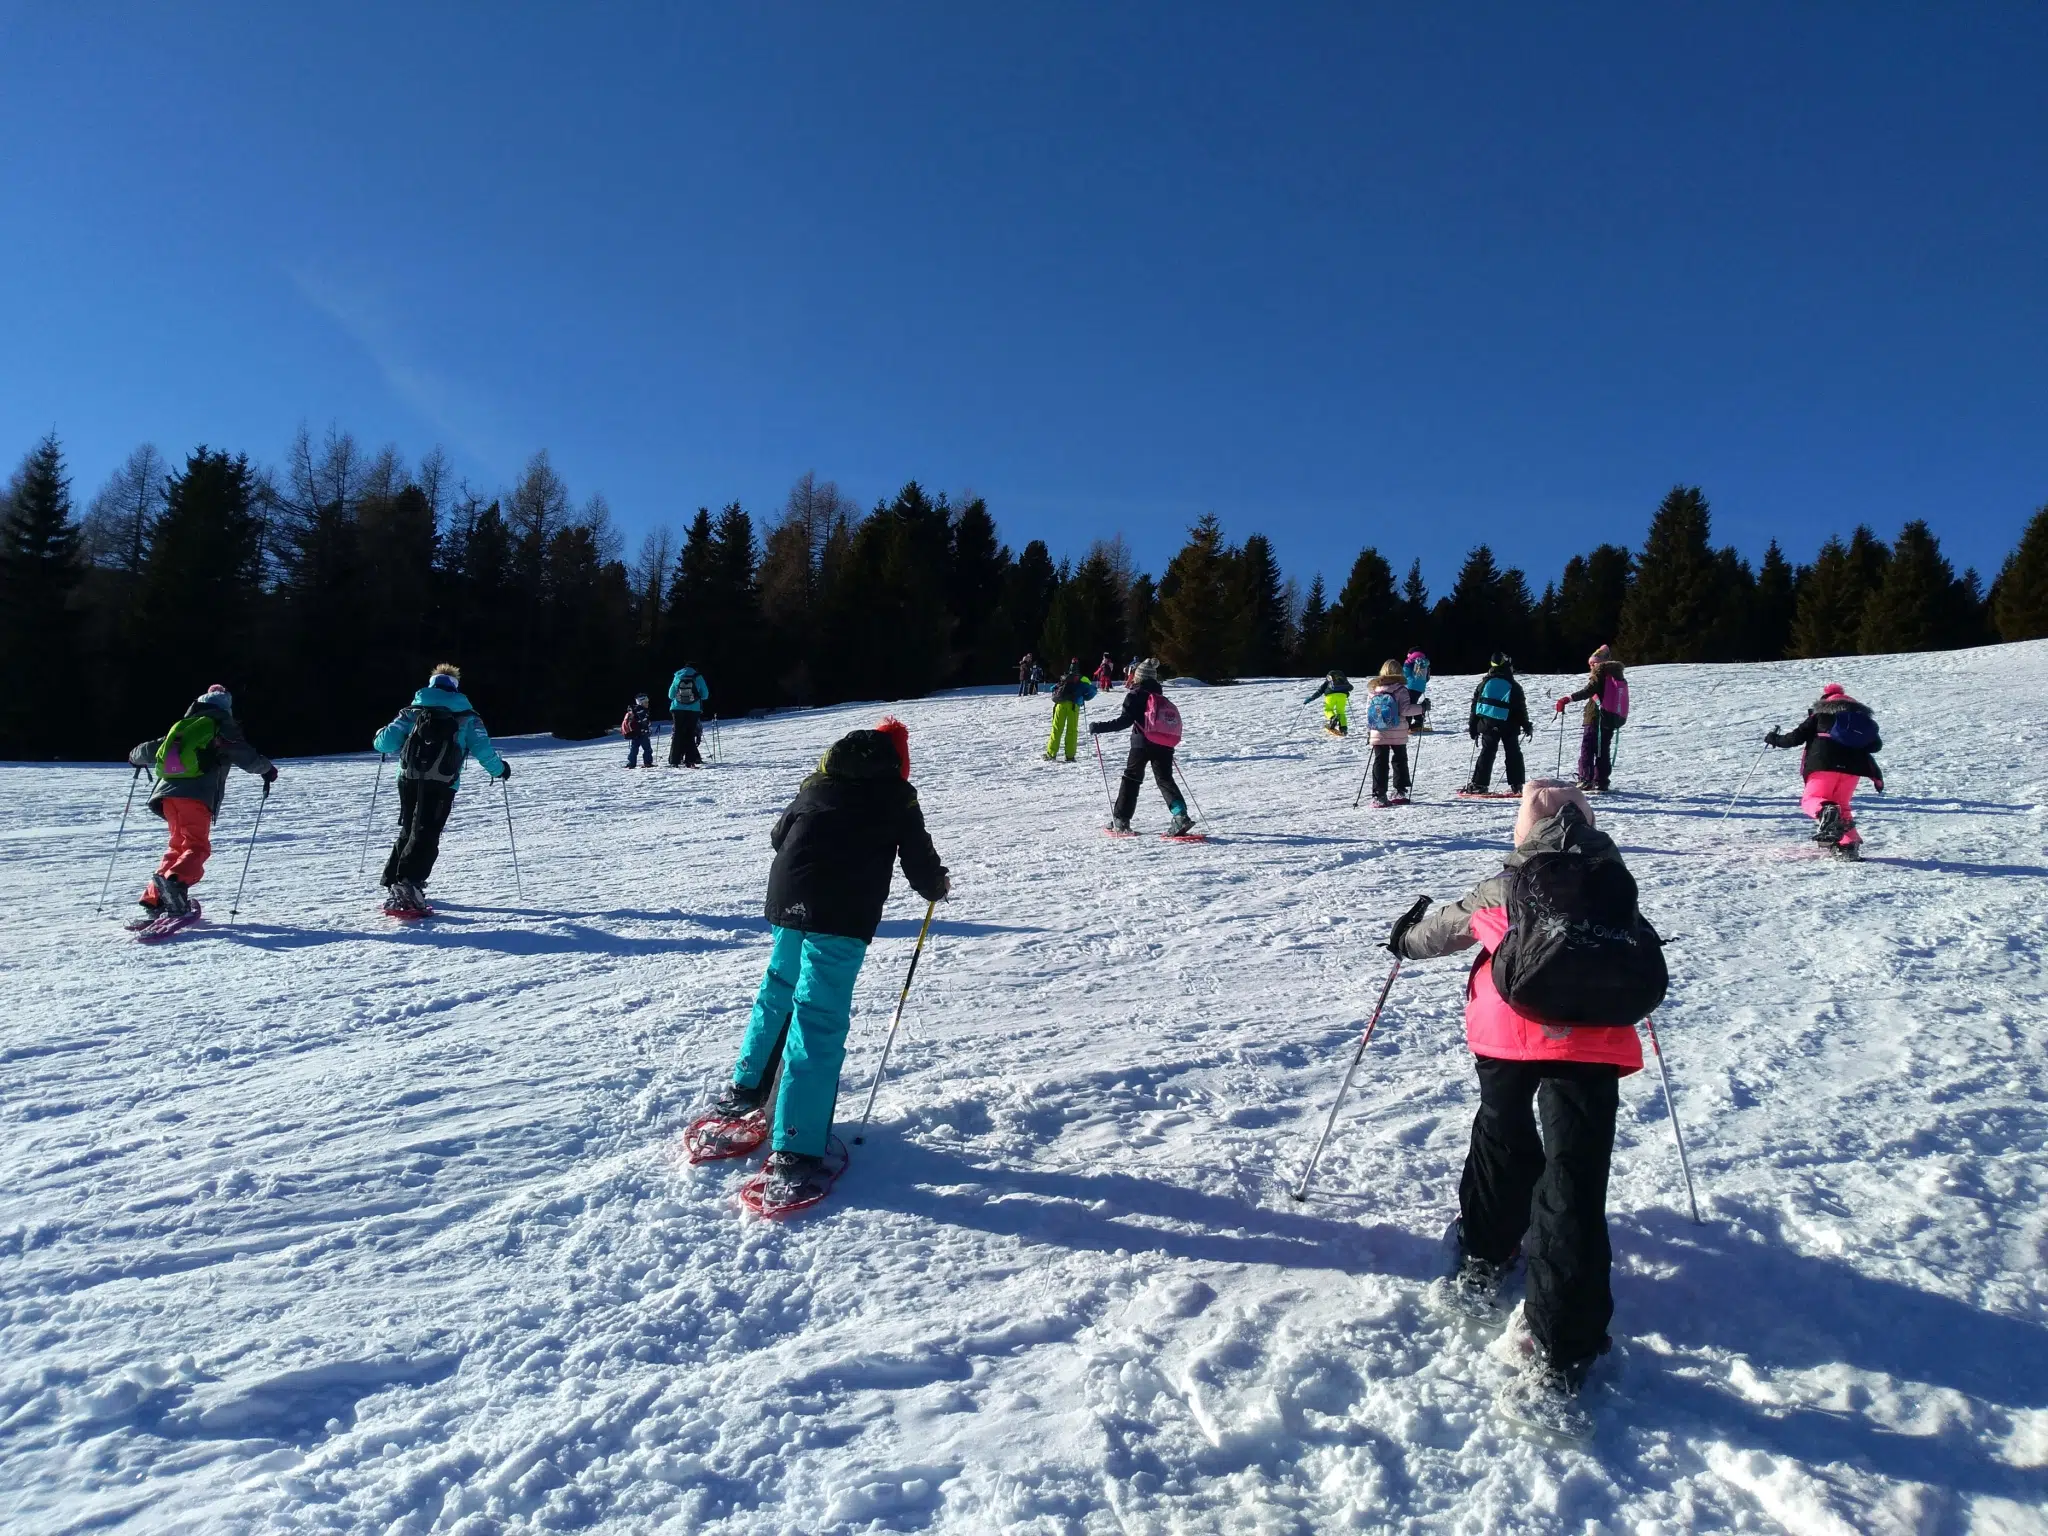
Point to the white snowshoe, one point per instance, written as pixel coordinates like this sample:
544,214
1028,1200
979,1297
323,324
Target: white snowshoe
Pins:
1469,1288
1542,1396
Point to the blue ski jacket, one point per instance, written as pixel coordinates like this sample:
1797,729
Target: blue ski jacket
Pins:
476,741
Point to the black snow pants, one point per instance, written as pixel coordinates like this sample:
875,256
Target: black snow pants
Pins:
1552,1187
1382,759
1160,759
682,741
423,809
1493,738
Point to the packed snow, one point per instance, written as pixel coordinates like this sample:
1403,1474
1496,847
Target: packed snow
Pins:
312,1222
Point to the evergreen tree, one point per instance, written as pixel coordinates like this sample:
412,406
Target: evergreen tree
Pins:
1259,640
1732,634
1679,599
1034,582
40,570
1365,625
1195,619
735,654
201,594
690,601
1487,610
1828,617
1414,615
1312,632
2019,599
979,575
1921,605
1587,609
1772,609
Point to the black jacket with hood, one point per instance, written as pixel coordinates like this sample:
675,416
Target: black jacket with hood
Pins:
1133,710
1518,707
1823,753
835,845
228,748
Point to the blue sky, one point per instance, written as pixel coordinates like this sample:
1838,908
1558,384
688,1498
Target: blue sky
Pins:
1344,275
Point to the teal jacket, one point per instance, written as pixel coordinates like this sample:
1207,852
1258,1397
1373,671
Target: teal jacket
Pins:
675,689
476,741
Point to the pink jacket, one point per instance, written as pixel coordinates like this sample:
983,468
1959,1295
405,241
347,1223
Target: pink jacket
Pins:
1398,737
1494,1028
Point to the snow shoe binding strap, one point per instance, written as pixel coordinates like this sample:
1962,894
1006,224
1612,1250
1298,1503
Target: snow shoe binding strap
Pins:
714,1137
166,924
793,1182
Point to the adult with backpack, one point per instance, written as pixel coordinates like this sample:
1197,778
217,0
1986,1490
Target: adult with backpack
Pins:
1386,732
1606,699
1154,723
1567,968
433,736
1839,735
638,729
1073,691
688,693
1499,720
191,762
1335,692
1105,673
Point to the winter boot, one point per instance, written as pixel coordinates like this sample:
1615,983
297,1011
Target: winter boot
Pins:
1181,824
738,1103
170,895
1827,826
1471,1286
792,1177
1120,824
1379,800
1544,1393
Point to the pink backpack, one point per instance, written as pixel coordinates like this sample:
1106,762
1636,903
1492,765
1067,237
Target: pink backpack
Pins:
1614,697
1161,725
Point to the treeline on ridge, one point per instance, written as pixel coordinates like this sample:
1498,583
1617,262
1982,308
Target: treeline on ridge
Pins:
322,592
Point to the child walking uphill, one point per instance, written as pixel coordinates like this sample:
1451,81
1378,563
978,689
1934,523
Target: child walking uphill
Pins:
1074,691
1415,672
688,693
191,765
1500,719
1840,736
1548,1019
1386,720
638,729
1336,696
433,736
1154,724
1606,696
834,847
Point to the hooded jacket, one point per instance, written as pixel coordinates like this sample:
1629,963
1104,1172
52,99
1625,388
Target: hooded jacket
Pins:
636,721
228,747
1492,1027
1596,679
1075,690
1398,736
835,845
1518,705
470,734
1823,753
1336,683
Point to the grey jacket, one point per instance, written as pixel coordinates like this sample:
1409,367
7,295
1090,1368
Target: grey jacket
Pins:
228,747
1448,928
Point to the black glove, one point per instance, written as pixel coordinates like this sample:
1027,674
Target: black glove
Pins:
1773,739
1528,729
1472,731
269,777
1408,920
508,770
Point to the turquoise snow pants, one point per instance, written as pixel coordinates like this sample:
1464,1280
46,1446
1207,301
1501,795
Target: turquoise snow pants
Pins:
801,1016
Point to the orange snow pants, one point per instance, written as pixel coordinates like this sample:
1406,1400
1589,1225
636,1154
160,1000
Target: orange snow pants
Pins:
191,825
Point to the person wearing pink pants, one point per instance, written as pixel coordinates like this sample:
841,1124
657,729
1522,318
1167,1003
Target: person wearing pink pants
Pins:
1839,736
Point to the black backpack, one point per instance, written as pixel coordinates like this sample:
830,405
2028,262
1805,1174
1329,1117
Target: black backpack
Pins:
1577,951
434,750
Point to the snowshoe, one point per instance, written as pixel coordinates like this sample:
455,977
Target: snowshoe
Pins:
167,924
1380,802
173,897
1469,792
793,1181
1119,826
1181,824
1469,1288
1543,1396
405,901
715,1137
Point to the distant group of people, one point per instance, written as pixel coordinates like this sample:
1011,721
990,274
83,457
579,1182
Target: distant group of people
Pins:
1031,673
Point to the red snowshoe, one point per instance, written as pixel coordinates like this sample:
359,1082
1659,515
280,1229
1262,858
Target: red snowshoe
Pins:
792,1182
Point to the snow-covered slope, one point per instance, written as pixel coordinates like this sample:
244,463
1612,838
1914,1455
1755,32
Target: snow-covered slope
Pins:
312,1223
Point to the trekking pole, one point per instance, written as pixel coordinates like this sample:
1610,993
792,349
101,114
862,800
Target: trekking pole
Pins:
108,883
1677,1135
370,821
1745,782
1105,772
1613,752
1558,771
901,998
1301,1189
518,885
1359,799
236,905
1189,785
1415,768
